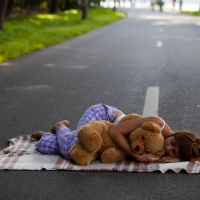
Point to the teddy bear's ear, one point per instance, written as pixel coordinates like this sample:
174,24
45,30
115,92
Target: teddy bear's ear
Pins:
130,116
151,126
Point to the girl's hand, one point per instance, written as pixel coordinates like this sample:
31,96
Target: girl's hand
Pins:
168,159
148,158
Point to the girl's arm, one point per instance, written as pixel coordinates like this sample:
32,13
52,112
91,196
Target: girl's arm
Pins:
119,131
166,131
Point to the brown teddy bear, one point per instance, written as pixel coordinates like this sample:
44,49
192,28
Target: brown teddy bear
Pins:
95,143
147,139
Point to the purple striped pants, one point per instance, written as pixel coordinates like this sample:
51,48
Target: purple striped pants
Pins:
62,141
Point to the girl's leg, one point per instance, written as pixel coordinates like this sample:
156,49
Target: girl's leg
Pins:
96,113
65,138
48,144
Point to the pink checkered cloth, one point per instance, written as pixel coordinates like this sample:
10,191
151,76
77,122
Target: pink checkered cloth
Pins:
22,154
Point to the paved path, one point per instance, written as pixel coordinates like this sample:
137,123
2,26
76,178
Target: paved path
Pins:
114,65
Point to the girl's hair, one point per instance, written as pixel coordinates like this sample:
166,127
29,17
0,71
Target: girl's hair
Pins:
188,143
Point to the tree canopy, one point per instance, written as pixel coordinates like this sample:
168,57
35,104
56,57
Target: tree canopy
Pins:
10,8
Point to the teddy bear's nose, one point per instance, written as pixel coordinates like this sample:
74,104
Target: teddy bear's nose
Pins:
137,148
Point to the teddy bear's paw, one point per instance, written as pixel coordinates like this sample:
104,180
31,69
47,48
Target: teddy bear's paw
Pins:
89,136
111,155
80,155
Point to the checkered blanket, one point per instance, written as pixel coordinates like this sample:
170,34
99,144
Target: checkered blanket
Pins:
22,154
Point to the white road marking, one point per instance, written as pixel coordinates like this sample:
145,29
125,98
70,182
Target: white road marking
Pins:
159,44
151,102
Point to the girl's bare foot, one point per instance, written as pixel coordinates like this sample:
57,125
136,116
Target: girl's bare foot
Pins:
37,135
58,124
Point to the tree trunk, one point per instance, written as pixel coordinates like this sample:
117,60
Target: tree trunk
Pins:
9,8
114,8
99,3
84,9
53,8
3,7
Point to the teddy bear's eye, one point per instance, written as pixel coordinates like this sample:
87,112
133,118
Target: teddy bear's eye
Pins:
143,138
147,151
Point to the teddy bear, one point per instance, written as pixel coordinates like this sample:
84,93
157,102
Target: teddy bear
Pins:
95,143
147,139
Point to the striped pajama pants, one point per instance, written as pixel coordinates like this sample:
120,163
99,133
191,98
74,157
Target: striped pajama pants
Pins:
62,141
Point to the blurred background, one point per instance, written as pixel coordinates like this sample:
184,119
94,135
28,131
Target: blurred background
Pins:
24,7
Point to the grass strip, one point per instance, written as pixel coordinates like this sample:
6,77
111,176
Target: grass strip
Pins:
22,35
196,13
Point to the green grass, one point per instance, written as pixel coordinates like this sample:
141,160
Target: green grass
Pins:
23,35
196,13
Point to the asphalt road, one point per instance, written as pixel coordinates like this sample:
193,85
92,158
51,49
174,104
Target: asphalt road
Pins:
113,65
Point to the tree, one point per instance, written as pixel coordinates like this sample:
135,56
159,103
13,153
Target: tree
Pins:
84,9
114,8
3,7
54,6
9,8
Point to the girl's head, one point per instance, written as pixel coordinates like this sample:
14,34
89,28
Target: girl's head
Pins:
183,144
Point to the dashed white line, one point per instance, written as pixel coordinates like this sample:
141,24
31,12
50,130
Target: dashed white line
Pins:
151,102
159,44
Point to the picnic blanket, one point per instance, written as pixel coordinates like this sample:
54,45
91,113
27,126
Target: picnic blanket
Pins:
22,154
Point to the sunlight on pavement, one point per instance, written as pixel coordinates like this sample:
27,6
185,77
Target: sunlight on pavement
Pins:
68,67
8,64
62,47
180,37
49,65
78,67
171,19
29,88
160,23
